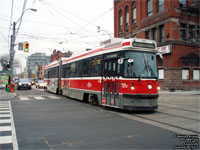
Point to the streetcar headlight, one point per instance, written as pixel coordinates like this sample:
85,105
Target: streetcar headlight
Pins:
20,84
158,88
132,88
149,86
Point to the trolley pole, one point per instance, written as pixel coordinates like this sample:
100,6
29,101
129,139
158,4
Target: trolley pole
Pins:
12,52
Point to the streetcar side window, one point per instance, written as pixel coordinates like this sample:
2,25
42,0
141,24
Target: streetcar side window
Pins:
49,74
66,70
96,66
73,69
54,72
86,66
78,69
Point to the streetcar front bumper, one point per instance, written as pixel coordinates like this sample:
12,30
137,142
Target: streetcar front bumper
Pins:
140,102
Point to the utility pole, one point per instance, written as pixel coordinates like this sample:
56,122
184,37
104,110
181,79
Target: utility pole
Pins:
12,52
12,44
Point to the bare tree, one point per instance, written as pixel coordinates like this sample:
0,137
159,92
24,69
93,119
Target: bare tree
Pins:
4,60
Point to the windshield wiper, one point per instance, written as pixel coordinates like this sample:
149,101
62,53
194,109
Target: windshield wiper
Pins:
147,67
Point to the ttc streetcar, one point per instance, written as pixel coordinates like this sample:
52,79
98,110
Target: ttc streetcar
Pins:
121,74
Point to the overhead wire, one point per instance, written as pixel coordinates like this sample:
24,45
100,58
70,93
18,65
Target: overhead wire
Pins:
3,37
88,23
20,21
59,11
11,13
57,18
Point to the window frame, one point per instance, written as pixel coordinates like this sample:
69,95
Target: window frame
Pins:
161,74
196,77
134,13
126,16
161,5
149,7
185,74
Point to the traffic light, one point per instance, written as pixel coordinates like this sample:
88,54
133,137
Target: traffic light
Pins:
26,47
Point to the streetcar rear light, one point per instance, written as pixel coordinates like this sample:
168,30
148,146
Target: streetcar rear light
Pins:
132,88
149,86
158,88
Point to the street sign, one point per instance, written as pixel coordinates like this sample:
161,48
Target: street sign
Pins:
21,46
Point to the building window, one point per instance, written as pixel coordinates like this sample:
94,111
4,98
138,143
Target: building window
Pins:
161,74
191,31
162,33
147,34
196,74
154,34
185,74
127,16
134,13
198,35
160,5
183,29
120,20
182,3
149,8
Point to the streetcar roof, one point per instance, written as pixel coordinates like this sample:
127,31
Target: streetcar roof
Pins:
120,44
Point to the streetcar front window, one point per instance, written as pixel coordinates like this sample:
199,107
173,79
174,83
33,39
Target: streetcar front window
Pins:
140,65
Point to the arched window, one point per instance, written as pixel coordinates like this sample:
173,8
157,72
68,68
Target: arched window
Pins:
120,21
133,13
127,16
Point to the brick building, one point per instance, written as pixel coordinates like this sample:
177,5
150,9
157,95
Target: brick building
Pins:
174,24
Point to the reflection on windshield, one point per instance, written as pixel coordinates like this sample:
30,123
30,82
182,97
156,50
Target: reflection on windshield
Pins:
140,65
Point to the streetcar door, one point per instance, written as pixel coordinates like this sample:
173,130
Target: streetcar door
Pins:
109,82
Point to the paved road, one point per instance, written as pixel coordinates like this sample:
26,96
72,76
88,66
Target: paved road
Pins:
46,121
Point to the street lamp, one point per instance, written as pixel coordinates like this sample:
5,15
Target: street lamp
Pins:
12,43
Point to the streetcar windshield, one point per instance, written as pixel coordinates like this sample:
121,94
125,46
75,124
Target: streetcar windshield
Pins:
140,65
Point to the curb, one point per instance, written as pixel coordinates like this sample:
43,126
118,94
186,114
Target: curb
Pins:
6,95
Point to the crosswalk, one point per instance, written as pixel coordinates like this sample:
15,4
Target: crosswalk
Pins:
8,138
27,98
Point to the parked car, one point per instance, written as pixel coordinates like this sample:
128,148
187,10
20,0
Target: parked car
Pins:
33,82
23,83
16,80
40,84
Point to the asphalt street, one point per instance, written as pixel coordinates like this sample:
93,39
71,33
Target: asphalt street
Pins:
47,121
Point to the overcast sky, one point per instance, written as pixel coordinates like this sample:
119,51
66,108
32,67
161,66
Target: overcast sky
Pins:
57,24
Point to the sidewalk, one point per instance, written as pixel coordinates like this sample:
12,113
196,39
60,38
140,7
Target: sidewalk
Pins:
6,95
179,95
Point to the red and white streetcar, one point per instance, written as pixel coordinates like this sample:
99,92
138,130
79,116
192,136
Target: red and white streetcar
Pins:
120,74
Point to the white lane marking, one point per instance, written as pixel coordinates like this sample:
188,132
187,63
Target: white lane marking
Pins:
38,97
23,98
3,106
5,121
14,137
53,97
4,112
5,139
4,115
4,109
5,128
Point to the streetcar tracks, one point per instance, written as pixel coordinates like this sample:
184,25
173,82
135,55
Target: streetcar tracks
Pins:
190,130
180,116
179,109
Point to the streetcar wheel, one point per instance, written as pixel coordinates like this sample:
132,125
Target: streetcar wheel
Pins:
93,99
